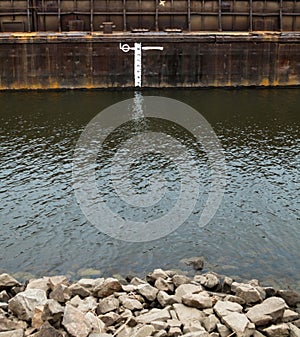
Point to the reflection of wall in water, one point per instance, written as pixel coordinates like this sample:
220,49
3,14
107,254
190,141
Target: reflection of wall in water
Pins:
155,15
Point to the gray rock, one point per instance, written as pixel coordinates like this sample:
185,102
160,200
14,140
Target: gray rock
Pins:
291,297
90,284
107,288
4,297
96,324
12,333
251,294
144,331
223,330
157,273
107,304
186,314
48,331
137,281
185,289
196,262
199,301
294,331
235,299
180,279
41,283
130,303
297,323
75,322
279,330
110,318
209,280
154,315
24,303
226,287
87,304
54,281
289,316
267,312
60,293
164,285
240,324
193,326
174,331
77,289
7,324
270,291
147,291
161,333
53,311
210,322
7,281
159,325
165,299
224,308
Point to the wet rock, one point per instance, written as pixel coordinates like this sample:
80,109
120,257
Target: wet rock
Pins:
186,314
196,262
267,312
147,291
240,324
75,322
199,301
154,315
107,288
24,303
270,291
224,308
279,330
291,297
251,294
107,304
7,281
13,333
41,283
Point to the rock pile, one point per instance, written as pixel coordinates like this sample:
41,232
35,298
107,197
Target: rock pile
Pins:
166,304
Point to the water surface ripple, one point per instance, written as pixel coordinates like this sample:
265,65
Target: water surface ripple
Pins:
255,233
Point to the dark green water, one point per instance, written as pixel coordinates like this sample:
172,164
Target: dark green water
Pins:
254,234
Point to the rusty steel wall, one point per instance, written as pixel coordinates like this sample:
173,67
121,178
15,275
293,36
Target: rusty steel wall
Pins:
56,61
154,15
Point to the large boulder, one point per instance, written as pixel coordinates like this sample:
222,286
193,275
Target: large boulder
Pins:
224,308
186,314
240,324
251,294
269,311
24,303
75,322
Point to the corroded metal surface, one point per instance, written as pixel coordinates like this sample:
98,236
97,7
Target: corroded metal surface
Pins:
83,60
155,15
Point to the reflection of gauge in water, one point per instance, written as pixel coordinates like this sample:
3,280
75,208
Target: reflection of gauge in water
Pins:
145,220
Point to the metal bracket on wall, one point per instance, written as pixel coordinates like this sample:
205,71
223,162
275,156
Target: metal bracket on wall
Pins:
138,59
